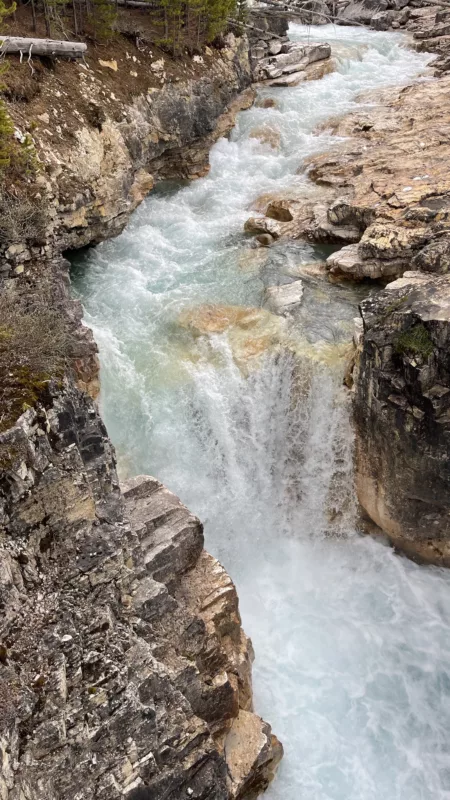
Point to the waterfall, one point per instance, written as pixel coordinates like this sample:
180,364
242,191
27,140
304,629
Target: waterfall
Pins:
352,641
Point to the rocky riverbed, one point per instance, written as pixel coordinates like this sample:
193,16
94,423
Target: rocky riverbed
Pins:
123,663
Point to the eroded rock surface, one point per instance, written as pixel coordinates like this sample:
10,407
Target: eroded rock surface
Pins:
122,658
402,414
106,157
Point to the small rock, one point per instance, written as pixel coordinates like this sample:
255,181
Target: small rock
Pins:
266,102
275,47
282,299
157,66
108,64
279,210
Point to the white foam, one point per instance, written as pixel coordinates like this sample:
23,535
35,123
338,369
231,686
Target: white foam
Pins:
352,642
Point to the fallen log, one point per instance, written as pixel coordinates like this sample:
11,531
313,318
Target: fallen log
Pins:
41,47
137,4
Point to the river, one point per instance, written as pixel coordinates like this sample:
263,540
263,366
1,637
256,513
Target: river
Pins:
252,431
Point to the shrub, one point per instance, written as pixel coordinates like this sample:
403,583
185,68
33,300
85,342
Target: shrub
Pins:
34,342
22,219
416,341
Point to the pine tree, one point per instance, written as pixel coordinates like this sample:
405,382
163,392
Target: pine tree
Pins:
102,19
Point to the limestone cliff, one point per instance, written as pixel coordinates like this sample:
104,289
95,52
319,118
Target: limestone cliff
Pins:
124,669
402,413
122,661
103,142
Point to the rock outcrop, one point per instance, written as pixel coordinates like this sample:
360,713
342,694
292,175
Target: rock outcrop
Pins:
402,414
382,193
123,663
295,62
122,658
102,162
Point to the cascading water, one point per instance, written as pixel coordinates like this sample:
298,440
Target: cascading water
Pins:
352,642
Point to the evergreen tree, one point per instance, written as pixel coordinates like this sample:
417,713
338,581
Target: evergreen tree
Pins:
102,19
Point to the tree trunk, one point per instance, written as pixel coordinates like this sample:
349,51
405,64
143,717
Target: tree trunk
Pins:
41,47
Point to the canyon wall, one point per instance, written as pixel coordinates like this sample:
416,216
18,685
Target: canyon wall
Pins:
122,658
103,142
402,414
124,669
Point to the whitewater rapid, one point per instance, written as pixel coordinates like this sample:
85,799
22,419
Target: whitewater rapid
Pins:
352,642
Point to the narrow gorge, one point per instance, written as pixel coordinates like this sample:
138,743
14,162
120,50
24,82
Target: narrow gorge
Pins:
267,328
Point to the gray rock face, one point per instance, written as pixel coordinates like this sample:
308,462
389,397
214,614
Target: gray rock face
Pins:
402,414
96,179
123,663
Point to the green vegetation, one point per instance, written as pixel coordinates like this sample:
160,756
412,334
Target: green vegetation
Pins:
396,305
415,341
178,24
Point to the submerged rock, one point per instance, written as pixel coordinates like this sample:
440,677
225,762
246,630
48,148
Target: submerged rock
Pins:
267,134
250,331
282,299
252,260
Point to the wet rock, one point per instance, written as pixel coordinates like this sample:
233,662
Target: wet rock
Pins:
252,755
267,134
252,260
267,102
279,210
402,414
265,239
262,225
283,299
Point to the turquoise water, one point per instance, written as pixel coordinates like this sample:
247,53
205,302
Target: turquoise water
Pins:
352,642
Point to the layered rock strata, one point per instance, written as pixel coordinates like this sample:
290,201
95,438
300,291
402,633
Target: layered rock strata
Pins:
402,414
101,164
122,659
292,64
124,670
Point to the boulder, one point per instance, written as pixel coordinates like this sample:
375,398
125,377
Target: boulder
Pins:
266,134
283,299
275,47
434,257
262,225
349,263
279,210
382,20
